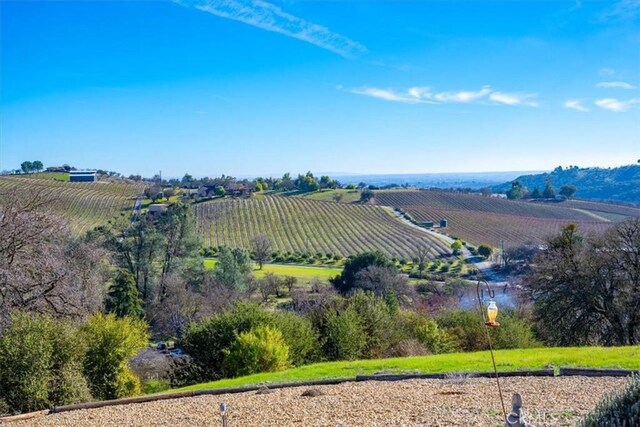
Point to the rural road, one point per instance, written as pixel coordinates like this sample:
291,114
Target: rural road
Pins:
485,267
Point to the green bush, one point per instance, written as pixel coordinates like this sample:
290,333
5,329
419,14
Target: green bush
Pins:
111,342
380,331
345,335
262,349
427,332
515,331
485,250
466,327
434,339
205,342
40,365
299,335
617,409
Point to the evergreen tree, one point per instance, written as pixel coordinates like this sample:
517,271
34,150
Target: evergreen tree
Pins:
123,296
549,192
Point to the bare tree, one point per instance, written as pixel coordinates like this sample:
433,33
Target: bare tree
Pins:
43,268
261,247
382,280
289,282
422,256
587,289
337,197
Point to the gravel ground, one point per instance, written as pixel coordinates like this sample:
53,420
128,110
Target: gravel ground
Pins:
548,401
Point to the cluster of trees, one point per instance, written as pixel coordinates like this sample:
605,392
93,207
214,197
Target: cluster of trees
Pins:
619,184
30,167
303,183
519,191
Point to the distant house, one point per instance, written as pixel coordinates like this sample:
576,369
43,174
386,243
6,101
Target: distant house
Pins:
158,208
238,190
56,169
83,176
231,189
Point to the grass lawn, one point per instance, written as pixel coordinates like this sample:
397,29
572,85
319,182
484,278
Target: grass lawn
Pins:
303,273
507,360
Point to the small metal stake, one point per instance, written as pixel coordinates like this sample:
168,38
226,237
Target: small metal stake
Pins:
223,414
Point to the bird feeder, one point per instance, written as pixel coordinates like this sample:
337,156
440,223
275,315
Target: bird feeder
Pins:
492,314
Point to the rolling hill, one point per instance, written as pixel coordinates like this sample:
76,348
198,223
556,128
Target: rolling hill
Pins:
304,225
489,220
84,205
620,184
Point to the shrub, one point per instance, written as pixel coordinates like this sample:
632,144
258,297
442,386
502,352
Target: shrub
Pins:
433,338
427,332
205,342
466,327
345,335
40,365
485,251
299,335
379,329
262,349
515,331
111,342
617,410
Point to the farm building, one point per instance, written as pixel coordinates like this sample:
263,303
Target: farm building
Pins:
83,176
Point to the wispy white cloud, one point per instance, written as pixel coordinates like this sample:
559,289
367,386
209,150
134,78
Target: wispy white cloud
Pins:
514,98
613,104
574,104
622,10
616,85
463,96
411,96
270,17
424,95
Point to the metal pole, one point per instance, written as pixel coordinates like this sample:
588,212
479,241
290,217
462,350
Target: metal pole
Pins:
486,328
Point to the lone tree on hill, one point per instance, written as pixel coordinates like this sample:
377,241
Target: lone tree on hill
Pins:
366,195
568,191
261,247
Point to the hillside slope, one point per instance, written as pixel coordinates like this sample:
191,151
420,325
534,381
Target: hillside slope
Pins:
479,220
304,225
620,184
84,205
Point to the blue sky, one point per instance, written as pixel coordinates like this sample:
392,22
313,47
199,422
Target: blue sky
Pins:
252,87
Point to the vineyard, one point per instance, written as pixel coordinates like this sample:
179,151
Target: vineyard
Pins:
478,219
84,205
302,225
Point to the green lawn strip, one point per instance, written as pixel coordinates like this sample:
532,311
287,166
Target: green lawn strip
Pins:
301,272
506,360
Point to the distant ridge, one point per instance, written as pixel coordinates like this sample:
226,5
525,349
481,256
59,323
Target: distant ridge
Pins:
621,184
